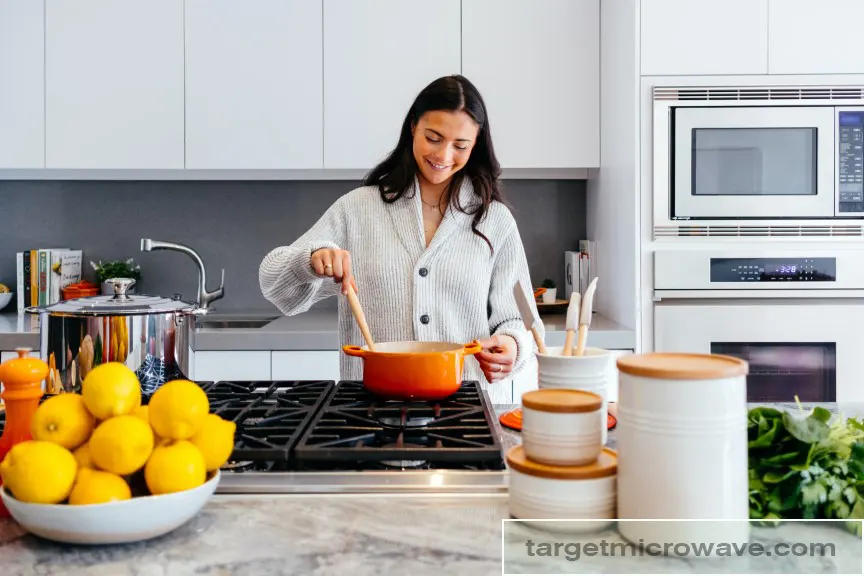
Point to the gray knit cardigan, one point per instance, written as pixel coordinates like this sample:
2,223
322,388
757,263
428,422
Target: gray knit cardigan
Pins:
454,290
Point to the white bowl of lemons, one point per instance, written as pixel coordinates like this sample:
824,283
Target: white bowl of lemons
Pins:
102,469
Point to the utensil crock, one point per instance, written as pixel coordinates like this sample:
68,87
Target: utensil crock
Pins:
413,370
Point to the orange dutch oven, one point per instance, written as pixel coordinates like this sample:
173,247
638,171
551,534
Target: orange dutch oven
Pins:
413,370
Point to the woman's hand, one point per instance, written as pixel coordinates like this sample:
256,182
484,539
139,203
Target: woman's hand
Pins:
335,264
497,357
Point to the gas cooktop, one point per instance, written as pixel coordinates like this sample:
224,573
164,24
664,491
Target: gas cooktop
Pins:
335,437
326,436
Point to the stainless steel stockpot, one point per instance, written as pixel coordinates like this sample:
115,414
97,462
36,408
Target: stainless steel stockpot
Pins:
149,334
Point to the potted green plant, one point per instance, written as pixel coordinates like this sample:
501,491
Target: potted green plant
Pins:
116,269
551,292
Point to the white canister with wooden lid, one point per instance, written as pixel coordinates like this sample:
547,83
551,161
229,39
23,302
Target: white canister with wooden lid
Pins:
562,427
682,448
539,492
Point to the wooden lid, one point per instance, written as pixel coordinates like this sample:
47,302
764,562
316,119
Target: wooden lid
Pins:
605,465
680,366
562,400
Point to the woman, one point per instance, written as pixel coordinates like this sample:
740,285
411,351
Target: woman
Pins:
427,242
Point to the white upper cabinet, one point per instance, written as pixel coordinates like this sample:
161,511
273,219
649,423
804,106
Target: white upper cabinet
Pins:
537,65
703,37
254,96
378,55
22,96
810,37
114,84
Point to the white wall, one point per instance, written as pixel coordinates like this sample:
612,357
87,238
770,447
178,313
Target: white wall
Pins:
613,189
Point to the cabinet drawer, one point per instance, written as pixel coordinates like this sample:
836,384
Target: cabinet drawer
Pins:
305,365
232,365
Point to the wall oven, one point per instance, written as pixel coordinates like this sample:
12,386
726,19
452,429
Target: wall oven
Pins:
752,157
796,315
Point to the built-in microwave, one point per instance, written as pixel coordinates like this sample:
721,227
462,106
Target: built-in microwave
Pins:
747,156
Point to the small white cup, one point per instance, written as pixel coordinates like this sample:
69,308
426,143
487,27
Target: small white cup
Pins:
591,372
562,427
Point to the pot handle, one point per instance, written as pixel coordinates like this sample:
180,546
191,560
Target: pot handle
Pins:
354,351
472,348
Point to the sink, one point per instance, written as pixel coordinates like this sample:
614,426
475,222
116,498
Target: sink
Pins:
231,323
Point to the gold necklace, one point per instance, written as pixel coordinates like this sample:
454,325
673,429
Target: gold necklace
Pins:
436,206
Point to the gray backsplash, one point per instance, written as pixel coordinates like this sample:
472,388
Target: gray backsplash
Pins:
232,225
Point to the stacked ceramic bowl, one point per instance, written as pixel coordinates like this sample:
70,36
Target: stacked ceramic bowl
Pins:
562,471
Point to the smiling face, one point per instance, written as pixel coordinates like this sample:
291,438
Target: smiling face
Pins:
443,142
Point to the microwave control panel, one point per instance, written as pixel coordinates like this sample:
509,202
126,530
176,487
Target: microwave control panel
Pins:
773,270
850,161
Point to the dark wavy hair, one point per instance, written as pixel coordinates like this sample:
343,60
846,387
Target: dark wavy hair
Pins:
394,176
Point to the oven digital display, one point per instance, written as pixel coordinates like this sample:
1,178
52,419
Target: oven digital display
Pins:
773,269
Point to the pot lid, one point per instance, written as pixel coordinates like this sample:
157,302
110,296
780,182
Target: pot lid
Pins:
119,303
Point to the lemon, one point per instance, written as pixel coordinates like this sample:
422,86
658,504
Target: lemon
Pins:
64,420
215,439
175,467
121,444
178,409
111,389
82,456
98,487
39,472
143,412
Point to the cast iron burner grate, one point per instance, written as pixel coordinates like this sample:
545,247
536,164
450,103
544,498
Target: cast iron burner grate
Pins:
356,426
270,415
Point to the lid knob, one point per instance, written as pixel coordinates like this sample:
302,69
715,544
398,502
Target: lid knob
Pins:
120,287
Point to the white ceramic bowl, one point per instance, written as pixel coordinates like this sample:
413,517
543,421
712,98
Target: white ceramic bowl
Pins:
5,298
125,521
562,427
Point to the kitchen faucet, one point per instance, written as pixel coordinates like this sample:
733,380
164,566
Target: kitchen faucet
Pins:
204,297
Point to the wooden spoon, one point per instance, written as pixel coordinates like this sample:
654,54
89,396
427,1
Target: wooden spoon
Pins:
354,302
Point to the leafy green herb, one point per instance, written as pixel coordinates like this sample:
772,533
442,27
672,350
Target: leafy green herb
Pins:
805,466
116,269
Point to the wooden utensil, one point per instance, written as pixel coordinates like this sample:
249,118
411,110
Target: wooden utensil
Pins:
529,318
354,302
585,316
573,312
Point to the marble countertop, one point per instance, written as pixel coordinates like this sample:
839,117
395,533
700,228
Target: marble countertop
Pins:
316,329
419,535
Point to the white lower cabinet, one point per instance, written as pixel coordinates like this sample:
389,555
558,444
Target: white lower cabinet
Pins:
231,365
305,365
7,355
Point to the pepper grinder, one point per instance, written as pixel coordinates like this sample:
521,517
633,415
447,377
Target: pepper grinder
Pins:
22,380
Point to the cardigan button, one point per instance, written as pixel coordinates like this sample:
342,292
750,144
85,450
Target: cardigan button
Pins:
424,319
424,272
